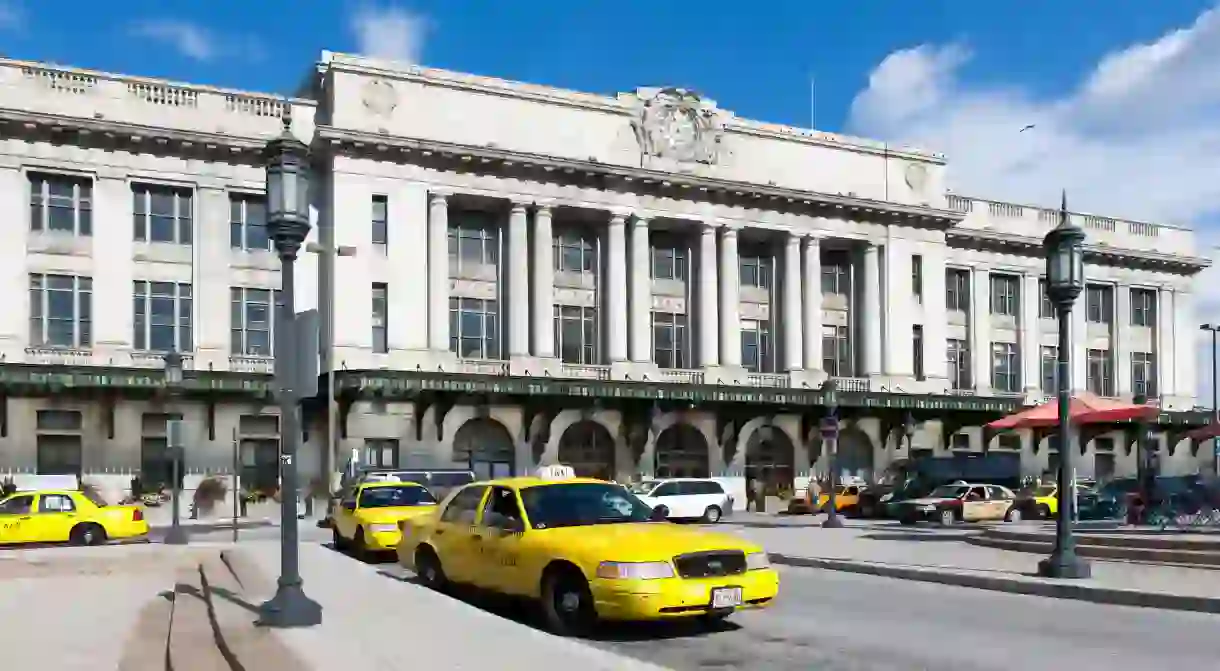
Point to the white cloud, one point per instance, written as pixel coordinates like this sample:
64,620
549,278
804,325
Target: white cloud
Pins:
194,41
1138,138
392,33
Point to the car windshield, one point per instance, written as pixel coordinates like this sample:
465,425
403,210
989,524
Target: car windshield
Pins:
1044,490
582,503
644,488
948,492
389,497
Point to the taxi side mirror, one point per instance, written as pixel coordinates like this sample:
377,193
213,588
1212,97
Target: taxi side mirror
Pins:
349,505
659,513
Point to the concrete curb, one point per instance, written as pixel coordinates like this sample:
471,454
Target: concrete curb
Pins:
1012,585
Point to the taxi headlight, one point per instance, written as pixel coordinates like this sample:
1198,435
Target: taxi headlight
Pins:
757,560
644,570
886,497
383,528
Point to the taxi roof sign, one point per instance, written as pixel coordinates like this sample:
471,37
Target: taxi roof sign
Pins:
555,472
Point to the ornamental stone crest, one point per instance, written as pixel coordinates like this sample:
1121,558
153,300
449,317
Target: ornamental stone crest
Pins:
678,125
379,97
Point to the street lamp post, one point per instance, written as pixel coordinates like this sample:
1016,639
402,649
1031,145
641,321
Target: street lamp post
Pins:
830,438
287,165
1064,247
1146,476
173,444
330,253
908,430
1215,329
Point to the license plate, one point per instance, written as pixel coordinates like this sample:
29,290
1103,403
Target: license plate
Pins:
726,597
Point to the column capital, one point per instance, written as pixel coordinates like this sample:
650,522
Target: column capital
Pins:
638,221
793,239
436,193
729,229
708,226
813,239
623,213
518,205
544,205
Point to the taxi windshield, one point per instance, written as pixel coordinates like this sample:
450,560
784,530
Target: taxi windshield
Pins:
643,488
581,504
948,492
1045,490
390,497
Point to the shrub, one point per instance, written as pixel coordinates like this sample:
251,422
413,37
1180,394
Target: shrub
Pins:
210,492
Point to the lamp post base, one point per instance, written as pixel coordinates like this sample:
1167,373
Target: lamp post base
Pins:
1064,565
176,535
832,522
290,608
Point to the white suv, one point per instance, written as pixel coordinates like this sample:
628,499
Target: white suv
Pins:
687,498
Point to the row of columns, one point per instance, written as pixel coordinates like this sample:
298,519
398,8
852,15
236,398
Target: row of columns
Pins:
629,291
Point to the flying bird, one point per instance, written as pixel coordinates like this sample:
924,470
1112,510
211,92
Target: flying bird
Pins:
1029,127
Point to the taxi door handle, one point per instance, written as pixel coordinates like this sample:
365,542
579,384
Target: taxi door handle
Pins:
27,517
439,532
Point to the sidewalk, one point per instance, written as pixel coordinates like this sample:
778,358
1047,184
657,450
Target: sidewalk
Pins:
934,556
371,620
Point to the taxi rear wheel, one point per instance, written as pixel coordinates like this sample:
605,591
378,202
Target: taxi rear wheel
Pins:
567,603
87,534
1044,511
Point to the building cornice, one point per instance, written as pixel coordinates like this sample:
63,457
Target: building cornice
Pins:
490,160
1008,243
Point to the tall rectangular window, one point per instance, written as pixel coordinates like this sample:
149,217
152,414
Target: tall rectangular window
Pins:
1046,309
380,223
474,239
1143,374
670,348
1005,295
917,352
61,311
1143,307
1099,303
161,316
757,271
576,334
575,251
669,261
836,351
474,328
836,273
162,214
156,460
917,277
1005,367
59,439
380,311
61,203
252,321
757,355
1050,369
248,222
957,290
959,364
1100,371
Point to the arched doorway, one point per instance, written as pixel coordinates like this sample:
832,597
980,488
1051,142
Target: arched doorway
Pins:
588,448
681,452
855,455
485,446
771,458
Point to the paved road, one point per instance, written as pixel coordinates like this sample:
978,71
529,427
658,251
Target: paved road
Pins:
832,621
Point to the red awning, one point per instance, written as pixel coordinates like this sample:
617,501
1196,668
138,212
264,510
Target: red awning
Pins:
1205,432
1086,408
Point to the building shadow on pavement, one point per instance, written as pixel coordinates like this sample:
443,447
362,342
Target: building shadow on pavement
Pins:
609,632
915,536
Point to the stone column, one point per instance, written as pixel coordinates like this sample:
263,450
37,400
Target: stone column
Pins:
544,285
730,286
641,293
518,281
709,316
616,303
1028,342
1165,365
871,310
438,271
794,355
980,329
812,303
1120,336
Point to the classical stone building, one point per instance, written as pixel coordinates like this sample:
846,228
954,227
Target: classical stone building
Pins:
635,284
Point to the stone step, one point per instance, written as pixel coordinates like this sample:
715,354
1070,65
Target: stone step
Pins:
1193,558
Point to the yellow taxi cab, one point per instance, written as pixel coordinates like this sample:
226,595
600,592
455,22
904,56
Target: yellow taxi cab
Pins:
847,499
67,516
370,514
585,550
1042,501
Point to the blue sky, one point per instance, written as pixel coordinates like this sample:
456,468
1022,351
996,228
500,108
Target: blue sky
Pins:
1124,94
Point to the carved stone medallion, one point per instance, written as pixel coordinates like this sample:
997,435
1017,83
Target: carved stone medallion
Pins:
379,97
678,125
916,176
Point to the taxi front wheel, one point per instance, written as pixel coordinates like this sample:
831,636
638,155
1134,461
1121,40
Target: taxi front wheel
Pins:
428,568
567,603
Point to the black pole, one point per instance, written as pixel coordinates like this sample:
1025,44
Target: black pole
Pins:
830,438
1063,562
237,493
177,533
1215,399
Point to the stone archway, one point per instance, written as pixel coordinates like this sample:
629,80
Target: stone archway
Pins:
485,446
681,451
771,458
854,457
588,448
